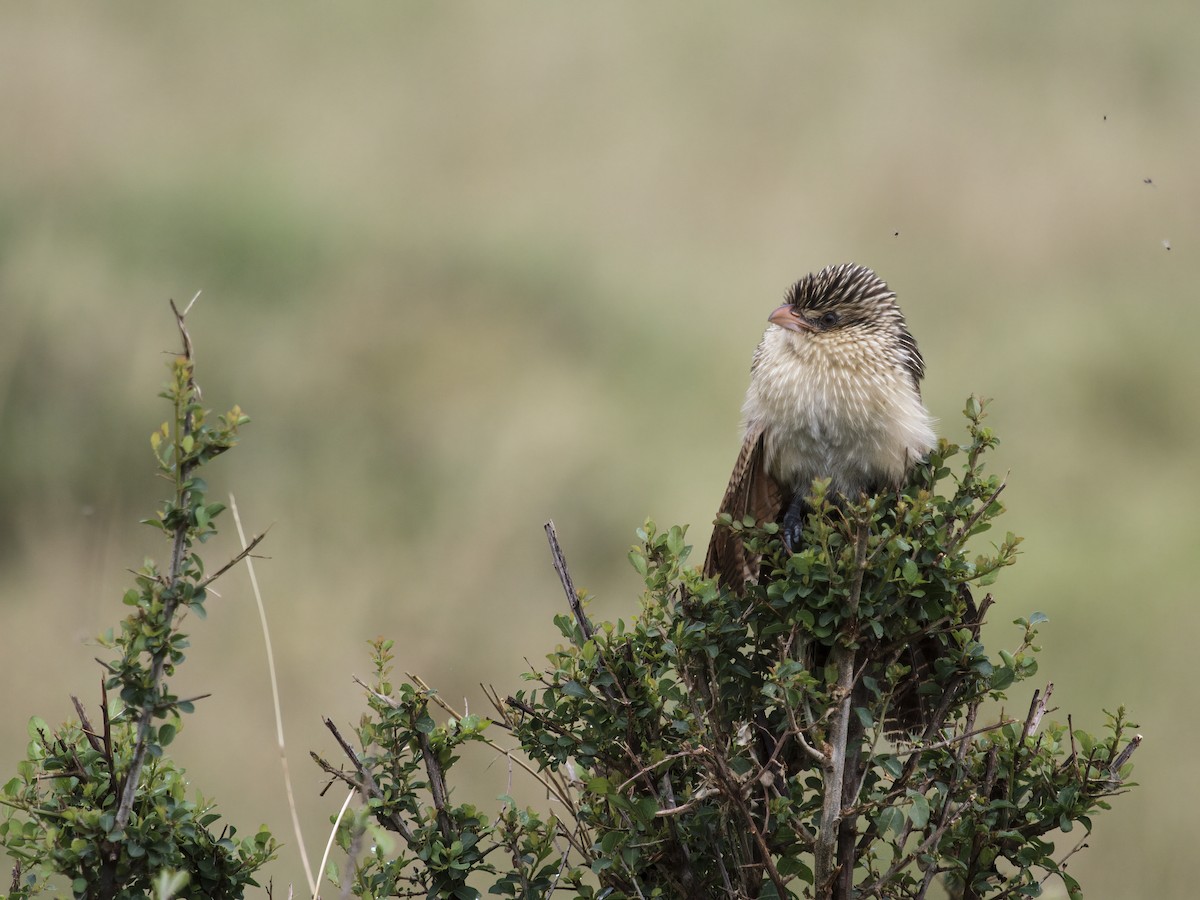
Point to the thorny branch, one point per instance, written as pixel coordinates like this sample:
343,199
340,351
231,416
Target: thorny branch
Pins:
170,595
254,542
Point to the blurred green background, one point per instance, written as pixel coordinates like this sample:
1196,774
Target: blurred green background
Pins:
473,266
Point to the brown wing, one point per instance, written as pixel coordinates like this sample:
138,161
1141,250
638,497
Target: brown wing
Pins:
751,492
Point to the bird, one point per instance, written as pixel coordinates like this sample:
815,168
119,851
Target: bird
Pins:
835,393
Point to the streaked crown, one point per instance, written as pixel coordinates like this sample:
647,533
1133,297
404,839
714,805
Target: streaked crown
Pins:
850,297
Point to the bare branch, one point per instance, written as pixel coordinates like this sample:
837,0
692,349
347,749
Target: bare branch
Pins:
843,658
560,566
437,785
1114,769
1037,709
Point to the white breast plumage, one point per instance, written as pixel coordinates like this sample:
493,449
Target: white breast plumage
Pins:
838,409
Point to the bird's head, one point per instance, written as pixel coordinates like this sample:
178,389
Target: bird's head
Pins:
847,310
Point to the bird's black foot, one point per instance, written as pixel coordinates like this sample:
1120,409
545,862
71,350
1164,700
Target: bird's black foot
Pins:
792,528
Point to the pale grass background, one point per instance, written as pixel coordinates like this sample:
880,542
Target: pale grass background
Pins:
472,266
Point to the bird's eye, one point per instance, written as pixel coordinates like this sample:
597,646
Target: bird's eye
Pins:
828,320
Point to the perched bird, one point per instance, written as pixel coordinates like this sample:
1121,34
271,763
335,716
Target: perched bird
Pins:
834,393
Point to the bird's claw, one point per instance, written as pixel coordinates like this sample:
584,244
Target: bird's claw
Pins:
791,539
792,528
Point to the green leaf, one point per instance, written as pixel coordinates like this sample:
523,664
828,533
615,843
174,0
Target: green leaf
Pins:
918,811
1086,741
791,865
891,819
675,541
1002,678
575,689
638,560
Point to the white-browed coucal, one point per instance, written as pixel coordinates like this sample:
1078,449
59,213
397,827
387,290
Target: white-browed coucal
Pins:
834,393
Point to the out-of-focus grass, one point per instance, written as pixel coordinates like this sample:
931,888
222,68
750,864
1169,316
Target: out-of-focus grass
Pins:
470,268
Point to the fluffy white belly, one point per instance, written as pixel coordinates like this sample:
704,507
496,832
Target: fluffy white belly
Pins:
862,430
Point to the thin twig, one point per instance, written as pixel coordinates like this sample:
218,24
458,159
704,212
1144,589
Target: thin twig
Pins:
700,751
92,738
959,739
1073,759
1062,863
245,554
366,784
113,780
551,726
965,531
562,867
667,811
192,699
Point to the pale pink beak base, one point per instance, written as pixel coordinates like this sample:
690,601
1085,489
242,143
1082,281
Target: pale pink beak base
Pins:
786,317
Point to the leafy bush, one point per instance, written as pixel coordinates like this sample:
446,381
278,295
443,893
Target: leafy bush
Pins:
105,807
817,736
